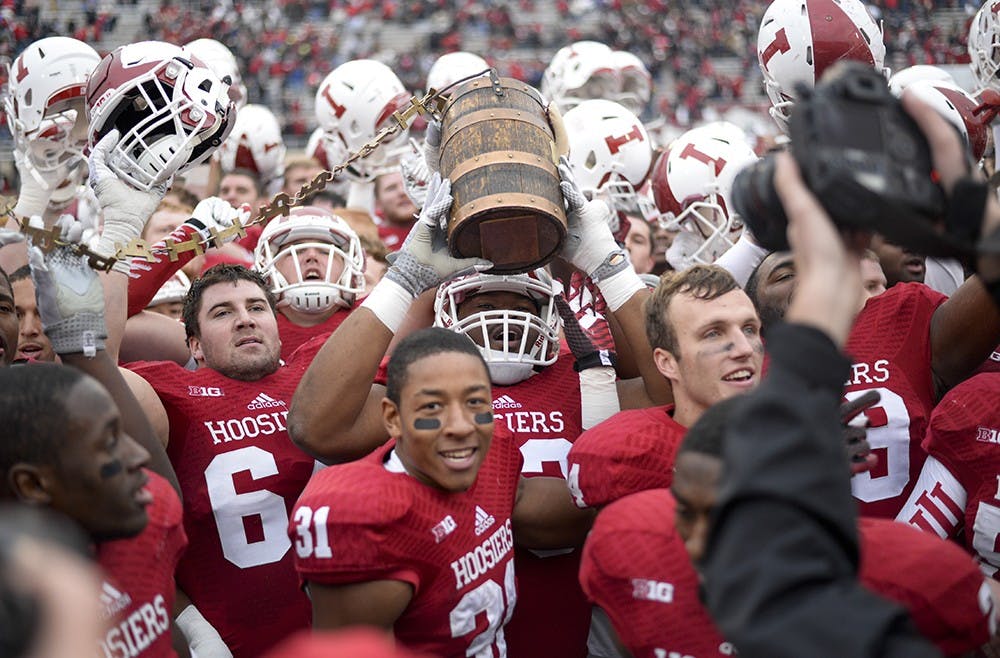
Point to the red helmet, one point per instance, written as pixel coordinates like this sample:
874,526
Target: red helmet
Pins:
171,110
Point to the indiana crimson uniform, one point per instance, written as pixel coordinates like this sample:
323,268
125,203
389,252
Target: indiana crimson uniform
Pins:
370,520
240,474
293,336
632,451
936,581
959,486
890,346
552,616
636,569
137,595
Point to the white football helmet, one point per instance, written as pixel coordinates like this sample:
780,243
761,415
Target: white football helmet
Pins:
452,67
984,45
578,72
312,289
636,83
222,62
903,78
799,39
172,111
255,143
503,335
692,182
354,102
45,102
957,106
609,153
174,290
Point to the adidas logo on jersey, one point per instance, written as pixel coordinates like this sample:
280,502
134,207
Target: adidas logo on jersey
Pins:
484,520
987,435
205,392
506,402
113,600
443,529
265,401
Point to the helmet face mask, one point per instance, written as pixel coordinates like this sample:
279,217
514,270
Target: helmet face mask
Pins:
283,246
513,342
691,183
172,111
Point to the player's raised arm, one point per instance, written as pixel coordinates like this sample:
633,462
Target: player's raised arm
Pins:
966,328
336,411
591,248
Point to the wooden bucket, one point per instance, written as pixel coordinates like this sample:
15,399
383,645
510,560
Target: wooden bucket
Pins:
498,149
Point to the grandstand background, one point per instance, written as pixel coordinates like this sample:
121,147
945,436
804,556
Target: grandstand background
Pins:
701,53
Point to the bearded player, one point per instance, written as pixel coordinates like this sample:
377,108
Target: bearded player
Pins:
434,554
312,260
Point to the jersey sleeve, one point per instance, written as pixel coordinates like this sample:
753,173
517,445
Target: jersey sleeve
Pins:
937,502
167,511
650,591
344,529
610,461
937,582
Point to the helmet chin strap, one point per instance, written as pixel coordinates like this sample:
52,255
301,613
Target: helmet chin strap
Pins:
505,373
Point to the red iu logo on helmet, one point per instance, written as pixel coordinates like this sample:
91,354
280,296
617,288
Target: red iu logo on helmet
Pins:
779,45
616,143
338,109
691,152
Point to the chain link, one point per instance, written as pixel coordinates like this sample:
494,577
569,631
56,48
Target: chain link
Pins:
431,103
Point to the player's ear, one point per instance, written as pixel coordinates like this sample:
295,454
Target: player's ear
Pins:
666,363
391,419
194,345
29,483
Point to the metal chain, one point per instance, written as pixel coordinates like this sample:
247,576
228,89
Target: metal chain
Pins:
281,204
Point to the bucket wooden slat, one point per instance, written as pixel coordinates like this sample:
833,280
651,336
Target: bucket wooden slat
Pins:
498,153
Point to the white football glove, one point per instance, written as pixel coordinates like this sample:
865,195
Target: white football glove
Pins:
125,208
70,301
416,174
432,146
589,245
37,186
214,213
423,261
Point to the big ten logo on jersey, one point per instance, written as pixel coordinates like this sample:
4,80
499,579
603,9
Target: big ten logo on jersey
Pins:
205,392
251,427
135,632
645,589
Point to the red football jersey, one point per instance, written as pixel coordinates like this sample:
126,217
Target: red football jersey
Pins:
632,451
935,580
294,336
240,475
636,569
369,520
959,486
891,349
137,595
552,617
